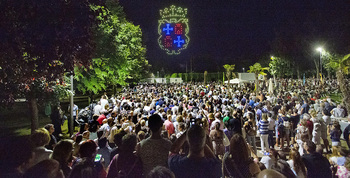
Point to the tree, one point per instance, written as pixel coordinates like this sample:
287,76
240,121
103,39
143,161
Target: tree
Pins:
229,68
341,65
120,54
257,69
40,41
280,67
205,77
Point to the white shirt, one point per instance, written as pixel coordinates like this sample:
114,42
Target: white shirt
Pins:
271,123
212,127
104,102
97,109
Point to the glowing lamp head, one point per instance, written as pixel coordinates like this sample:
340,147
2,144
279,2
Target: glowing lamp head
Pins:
319,49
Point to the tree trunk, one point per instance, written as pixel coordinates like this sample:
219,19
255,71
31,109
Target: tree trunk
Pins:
257,87
33,107
298,73
317,69
344,90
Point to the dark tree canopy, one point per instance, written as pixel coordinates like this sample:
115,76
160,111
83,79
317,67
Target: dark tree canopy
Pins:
42,39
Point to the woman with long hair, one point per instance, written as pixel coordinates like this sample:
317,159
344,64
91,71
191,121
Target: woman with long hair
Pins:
296,163
250,130
217,137
63,154
264,133
237,162
126,163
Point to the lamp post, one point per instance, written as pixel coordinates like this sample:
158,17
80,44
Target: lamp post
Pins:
320,50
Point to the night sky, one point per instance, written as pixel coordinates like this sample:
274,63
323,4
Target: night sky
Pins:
244,32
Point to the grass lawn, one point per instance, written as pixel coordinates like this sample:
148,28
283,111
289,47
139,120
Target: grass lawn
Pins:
336,97
16,120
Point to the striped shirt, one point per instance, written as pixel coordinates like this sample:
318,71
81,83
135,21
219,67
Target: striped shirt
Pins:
263,127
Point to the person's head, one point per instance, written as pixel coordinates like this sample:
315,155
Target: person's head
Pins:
87,149
295,111
294,155
84,169
155,123
336,125
283,168
313,113
50,128
141,135
239,148
217,126
62,151
250,116
282,155
303,122
211,117
347,164
78,138
270,173
86,134
110,121
205,123
129,142
160,172
118,137
273,153
306,116
102,142
143,123
196,138
40,137
48,168
343,152
309,146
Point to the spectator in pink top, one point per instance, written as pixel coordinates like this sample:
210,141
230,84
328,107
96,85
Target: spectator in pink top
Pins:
169,126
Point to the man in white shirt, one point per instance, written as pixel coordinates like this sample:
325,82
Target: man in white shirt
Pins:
219,120
338,111
98,108
104,101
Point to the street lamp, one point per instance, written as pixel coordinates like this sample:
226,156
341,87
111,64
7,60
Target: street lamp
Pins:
320,50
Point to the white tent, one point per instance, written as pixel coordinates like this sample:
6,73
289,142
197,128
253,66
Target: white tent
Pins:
236,81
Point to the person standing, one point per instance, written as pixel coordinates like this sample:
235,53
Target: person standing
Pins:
263,126
237,162
217,137
154,150
250,129
272,123
56,119
316,165
75,114
200,161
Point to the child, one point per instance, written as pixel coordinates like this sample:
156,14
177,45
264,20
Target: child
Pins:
335,134
302,135
316,133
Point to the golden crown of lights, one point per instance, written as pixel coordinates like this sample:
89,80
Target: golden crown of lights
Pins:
173,12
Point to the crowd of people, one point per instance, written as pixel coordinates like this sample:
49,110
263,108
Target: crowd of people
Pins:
195,130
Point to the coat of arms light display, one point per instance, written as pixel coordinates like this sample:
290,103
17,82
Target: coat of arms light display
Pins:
173,30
